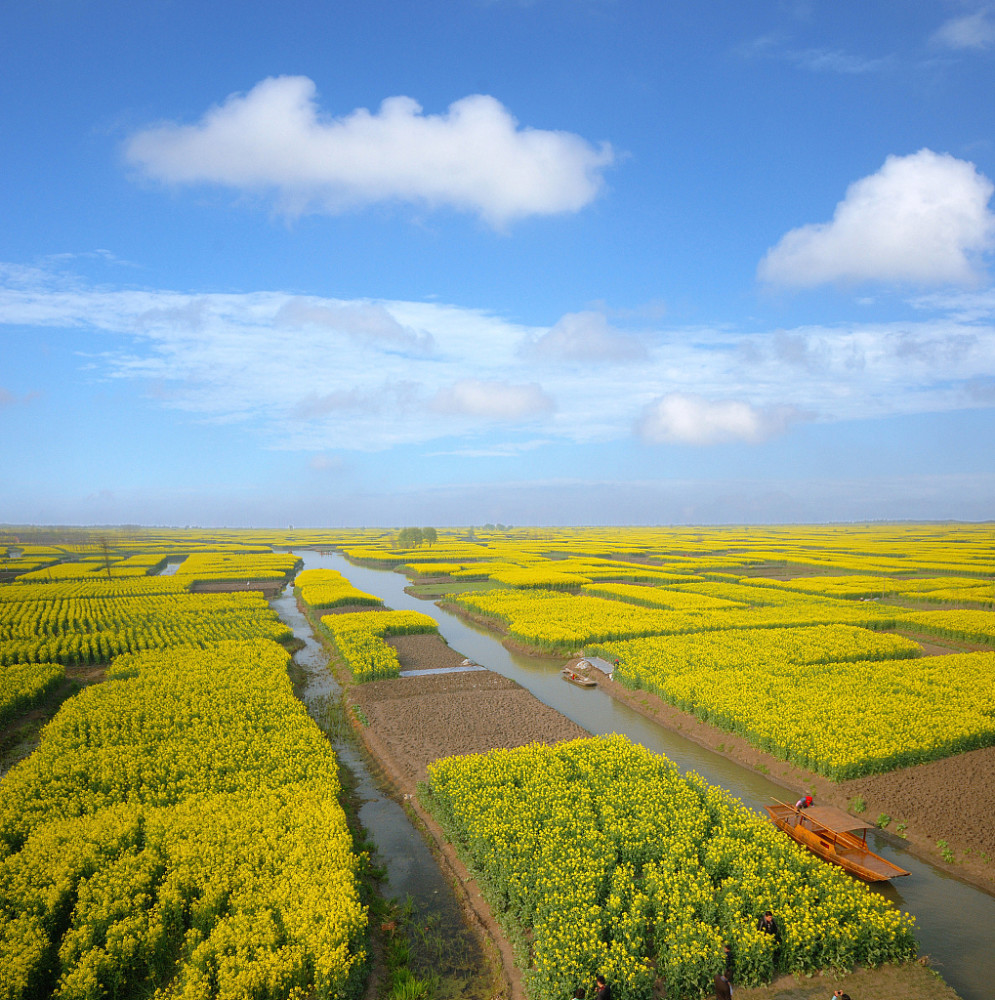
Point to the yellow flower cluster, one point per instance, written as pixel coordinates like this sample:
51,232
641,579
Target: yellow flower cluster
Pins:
94,630
24,685
561,622
233,566
656,597
327,588
548,575
359,638
598,856
788,692
178,833
101,587
976,626
82,570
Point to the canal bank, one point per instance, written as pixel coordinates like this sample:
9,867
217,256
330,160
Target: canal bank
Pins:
443,948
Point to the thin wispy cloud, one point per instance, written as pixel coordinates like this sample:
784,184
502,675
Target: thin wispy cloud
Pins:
777,46
585,337
969,31
922,219
491,399
11,399
277,142
836,61
343,385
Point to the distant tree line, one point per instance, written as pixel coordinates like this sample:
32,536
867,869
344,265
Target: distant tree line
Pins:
411,538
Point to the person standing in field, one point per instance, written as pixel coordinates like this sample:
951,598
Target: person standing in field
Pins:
768,925
723,987
604,990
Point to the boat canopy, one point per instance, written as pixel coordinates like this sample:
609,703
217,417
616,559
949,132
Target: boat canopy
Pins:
835,819
603,665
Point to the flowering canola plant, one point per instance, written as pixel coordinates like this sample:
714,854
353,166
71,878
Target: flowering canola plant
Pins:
327,588
24,685
598,856
790,693
359,638
96,629
178,834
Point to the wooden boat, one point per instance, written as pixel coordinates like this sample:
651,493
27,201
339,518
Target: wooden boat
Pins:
579,679
834,836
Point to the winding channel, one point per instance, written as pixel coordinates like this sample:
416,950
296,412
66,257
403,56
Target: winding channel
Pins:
955,921
412,874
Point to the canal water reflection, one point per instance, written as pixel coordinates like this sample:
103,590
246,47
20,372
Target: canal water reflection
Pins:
955,922
412,873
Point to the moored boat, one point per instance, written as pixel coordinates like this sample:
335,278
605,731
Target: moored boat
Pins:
581,680
834,836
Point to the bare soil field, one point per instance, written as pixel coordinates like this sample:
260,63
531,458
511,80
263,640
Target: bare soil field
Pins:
415,720
411,721
269,588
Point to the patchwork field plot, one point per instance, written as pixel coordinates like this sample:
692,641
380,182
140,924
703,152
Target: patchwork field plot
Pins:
179,829
598,855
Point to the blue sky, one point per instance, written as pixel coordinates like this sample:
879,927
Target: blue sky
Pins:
560,261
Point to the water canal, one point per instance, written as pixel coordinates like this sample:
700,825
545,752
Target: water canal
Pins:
955,921
412,875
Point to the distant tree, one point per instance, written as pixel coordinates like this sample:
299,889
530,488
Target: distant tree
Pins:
430,535
105,549
410,538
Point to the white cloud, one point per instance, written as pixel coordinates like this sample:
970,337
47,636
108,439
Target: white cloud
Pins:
922,219
971,31
364,321
585,336
814,60
325,463
352,384
684,418
474,158
834,61
490,399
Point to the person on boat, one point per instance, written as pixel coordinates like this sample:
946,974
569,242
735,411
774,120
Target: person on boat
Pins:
804,802
768,925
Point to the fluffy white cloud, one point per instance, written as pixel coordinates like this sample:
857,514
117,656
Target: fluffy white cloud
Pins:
971,31
922,218
474,158
585,336
493,400
685,418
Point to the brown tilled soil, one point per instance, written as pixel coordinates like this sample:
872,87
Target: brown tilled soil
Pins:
424,652
414,720
269,588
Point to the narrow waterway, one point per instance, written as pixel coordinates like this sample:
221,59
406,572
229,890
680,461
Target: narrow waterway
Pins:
413,876
955,922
